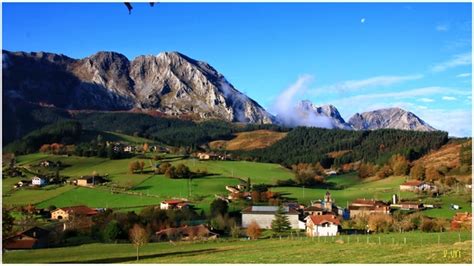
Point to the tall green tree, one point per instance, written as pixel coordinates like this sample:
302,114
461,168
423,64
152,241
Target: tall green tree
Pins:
280,223
219,206
111,231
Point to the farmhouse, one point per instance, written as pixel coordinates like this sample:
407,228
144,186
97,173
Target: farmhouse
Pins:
461,220
362,207
232,189
46,163
88,181
67,212
129,149
330,172
416,185
34,237
173,204
264,215
408,205
38,181
23,183
322,225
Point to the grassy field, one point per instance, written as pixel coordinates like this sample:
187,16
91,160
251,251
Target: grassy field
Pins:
251,140
98,197
267,173
353,189
149,188
419,248
34,196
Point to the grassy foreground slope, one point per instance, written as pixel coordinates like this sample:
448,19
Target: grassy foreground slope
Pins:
419,248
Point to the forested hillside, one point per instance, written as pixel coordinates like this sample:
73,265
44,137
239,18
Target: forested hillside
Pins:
313,144
170,131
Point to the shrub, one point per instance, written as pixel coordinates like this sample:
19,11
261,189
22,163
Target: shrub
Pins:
380,223
253,230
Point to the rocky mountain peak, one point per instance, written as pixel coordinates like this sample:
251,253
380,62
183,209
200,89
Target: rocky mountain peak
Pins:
170,82
395,118
326,115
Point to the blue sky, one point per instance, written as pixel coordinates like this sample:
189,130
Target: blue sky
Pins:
357,57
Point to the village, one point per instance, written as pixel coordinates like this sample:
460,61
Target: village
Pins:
323,217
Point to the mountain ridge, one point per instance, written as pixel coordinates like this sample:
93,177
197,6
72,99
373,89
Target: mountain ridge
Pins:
170,84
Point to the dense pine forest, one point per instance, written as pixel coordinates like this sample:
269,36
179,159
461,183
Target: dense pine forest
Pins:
310,145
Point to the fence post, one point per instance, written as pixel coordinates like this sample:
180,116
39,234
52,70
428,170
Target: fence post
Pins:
438,239
380,243
393,241
405,240
367,240
459,237
357,239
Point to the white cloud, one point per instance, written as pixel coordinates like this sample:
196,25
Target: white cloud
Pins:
449,98
442,27
463,75
457,122
457,60
285,101
286,109
426,100
362,20
378,81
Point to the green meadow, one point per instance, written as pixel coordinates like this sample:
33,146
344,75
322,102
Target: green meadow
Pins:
149,188
412,247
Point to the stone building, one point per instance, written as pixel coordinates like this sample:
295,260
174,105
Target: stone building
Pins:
264,215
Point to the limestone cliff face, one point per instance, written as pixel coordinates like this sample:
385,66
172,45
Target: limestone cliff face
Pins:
170,82
395,118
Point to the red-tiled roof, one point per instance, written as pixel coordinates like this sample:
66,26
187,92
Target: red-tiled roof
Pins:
354,208
82,210
462,216
313,209
326,218
368,202
414,183
19,244
172,202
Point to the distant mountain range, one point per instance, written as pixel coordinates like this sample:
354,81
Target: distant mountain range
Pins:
395,118
170,83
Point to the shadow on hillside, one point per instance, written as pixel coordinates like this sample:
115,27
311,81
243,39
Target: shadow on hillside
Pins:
142,188
150,256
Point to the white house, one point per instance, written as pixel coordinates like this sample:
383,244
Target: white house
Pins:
38,181
264,215
322,225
